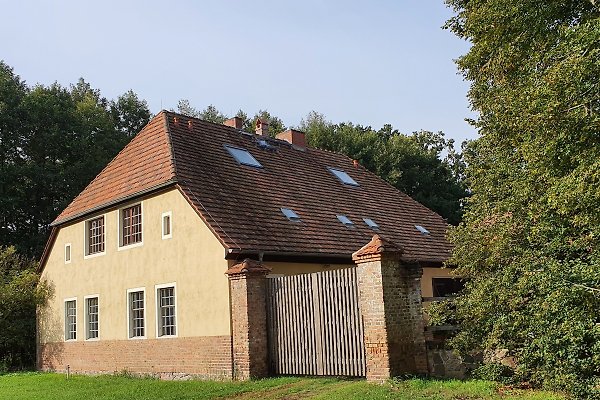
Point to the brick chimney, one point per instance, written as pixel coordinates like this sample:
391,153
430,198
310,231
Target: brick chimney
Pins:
262,127
297,138
234,122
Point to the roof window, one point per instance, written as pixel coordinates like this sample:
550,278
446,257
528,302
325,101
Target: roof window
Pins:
290,214
422,230
343,176
264,144
243,156
345,220
372,224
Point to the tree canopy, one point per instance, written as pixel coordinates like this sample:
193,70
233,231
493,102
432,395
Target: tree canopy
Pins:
53,141
529,241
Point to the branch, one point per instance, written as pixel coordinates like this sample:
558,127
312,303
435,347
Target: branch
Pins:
591,289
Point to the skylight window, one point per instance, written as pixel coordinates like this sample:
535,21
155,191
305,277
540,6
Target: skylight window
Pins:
372,224
243,156
290,214
422,230
345,220
343,177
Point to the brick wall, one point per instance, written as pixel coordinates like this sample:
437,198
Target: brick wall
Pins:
202,357
390,301
248,291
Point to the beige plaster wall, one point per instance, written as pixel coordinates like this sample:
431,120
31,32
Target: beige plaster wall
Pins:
428,274
193,259
286,268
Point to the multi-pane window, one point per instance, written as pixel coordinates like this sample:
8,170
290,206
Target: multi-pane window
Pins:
71,320
166,311
92,313
136,314
95,235
131,225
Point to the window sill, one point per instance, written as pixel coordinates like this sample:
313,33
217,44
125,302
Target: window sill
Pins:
92,340
167,337
130,246
138,338
70,340
88,256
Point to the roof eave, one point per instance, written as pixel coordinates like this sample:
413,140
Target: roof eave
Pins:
111,203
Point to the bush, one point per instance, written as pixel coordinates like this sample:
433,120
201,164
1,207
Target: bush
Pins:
20,294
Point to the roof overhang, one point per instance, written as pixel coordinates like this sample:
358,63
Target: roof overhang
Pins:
113,202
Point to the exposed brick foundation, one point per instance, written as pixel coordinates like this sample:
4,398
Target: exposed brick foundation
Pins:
206,357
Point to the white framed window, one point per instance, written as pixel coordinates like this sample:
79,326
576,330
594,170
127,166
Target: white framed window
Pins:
166,220
136,313
71,319
95,235
166,310
67,253
130,225
92,317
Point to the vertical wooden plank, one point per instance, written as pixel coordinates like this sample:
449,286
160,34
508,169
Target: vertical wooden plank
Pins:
316,310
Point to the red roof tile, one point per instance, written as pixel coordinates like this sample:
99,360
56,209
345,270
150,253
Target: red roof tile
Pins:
242,204
143,164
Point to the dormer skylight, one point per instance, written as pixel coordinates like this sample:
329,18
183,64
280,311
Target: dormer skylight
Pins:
243,156
371,223
343,176
422,230
345,220
290,214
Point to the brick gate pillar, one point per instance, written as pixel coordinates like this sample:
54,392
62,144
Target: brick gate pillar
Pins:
248,291
390,301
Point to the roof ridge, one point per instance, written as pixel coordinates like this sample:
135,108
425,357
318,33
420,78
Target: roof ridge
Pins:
170,143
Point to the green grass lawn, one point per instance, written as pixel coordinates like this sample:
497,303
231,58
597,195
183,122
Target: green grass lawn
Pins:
43,386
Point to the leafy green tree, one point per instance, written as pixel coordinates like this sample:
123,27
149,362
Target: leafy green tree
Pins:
211,114
54,141
129,113
20,294
529,242
184,107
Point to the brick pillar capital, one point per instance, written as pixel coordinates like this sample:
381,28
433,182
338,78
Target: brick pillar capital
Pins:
377,249
248,268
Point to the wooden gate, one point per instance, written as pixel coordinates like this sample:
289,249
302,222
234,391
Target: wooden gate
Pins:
315,324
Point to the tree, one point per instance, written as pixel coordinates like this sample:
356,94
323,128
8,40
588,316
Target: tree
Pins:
529,242
129,113
20,294
184,107
54,141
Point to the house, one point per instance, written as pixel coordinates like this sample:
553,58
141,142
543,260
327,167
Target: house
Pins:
158,265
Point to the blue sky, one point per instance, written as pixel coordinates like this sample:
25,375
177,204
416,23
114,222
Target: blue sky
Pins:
372,62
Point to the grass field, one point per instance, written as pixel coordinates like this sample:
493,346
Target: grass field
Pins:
42,386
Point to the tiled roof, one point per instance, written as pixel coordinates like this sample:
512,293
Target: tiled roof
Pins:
242,204
143,164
